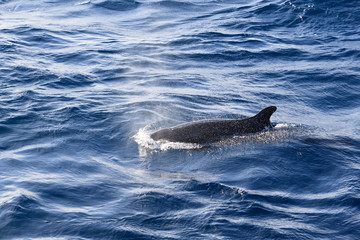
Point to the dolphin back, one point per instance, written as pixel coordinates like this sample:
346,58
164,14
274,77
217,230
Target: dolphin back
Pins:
213,130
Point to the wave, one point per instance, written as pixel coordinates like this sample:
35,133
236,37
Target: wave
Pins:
117,5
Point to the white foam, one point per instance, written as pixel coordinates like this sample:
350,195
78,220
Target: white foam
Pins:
284,125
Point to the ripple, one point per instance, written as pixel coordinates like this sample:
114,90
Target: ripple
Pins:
156,203
123,5
214,190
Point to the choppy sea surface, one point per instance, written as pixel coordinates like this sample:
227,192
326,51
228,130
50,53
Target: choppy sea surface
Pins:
84,83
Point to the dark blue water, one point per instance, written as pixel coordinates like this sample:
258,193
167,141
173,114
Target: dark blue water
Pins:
83,83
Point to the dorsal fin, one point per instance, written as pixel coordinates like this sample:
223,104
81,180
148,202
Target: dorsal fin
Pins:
265,114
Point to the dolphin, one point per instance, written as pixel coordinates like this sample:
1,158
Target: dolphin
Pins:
213,130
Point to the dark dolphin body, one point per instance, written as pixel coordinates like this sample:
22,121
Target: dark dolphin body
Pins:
214,130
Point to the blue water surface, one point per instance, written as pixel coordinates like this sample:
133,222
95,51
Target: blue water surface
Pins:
84,82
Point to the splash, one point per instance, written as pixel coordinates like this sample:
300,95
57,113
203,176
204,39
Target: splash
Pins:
279,133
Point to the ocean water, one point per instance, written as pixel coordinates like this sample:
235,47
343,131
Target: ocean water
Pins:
84,83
